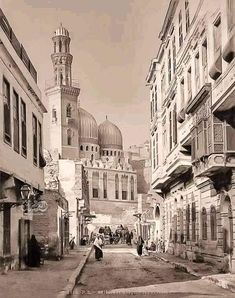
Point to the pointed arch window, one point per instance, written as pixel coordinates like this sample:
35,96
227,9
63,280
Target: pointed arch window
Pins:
124,187
132,188
116,187
69,111
81,147
105,185
69,137
87,148
213,223
188,222
60,45
204,224
95,184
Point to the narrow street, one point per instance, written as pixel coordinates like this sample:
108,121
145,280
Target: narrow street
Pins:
122,273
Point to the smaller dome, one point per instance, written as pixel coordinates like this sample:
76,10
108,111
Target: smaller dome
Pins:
110,136
61,31
88,127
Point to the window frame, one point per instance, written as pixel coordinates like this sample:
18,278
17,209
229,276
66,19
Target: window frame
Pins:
35,139
16,123
23,119
7,135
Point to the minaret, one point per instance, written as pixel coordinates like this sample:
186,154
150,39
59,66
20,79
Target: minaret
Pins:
61,58
62,98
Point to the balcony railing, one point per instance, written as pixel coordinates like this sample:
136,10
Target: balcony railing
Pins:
17,46
51,83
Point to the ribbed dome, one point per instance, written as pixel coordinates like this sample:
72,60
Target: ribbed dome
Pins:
88,127
62,31
110,135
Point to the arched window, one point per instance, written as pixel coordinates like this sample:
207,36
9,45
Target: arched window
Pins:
87,148
116,187
193,221
204,224
92,157
213,223
92,148
69,111
115,153
111,153
95,184
60,46
132,188
61,78
69,137
96,149
107,152
124,187
54,47
188,222
81,148
105,185
181,225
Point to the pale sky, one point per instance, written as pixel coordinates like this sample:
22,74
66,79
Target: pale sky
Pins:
112,43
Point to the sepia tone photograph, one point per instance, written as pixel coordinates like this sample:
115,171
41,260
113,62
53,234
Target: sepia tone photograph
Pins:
117,148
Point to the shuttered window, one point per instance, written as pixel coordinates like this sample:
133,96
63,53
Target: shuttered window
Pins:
188,222
23,129
193,221
204,224
7,111
16,139
35,140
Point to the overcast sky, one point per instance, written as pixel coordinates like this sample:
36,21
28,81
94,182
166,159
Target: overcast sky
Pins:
112,41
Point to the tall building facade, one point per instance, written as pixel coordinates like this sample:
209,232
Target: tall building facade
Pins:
192,103
75,134
21,134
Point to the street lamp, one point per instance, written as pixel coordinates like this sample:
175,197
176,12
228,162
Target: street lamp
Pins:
25,192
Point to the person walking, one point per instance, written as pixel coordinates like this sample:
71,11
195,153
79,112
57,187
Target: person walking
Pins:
34,252
98,243
140,244
72,243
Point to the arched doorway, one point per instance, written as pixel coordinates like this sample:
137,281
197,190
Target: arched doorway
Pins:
227,227
157,222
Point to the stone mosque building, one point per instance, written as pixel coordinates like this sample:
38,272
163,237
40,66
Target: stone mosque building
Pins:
75,138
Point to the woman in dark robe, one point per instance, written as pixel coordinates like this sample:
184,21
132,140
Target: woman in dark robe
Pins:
140,243
128,238
98,248
34,252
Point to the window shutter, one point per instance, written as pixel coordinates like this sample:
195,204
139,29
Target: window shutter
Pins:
174,126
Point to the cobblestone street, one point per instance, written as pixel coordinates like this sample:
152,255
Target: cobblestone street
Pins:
121,272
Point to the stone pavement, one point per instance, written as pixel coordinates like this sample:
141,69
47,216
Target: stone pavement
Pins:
205,271
46,281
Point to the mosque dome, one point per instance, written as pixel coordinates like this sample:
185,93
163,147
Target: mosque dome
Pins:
88,129
110,135
61,31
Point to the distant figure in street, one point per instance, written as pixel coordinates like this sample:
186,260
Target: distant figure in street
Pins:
153,246
128,238
98,243
34,252
140,243
72,243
